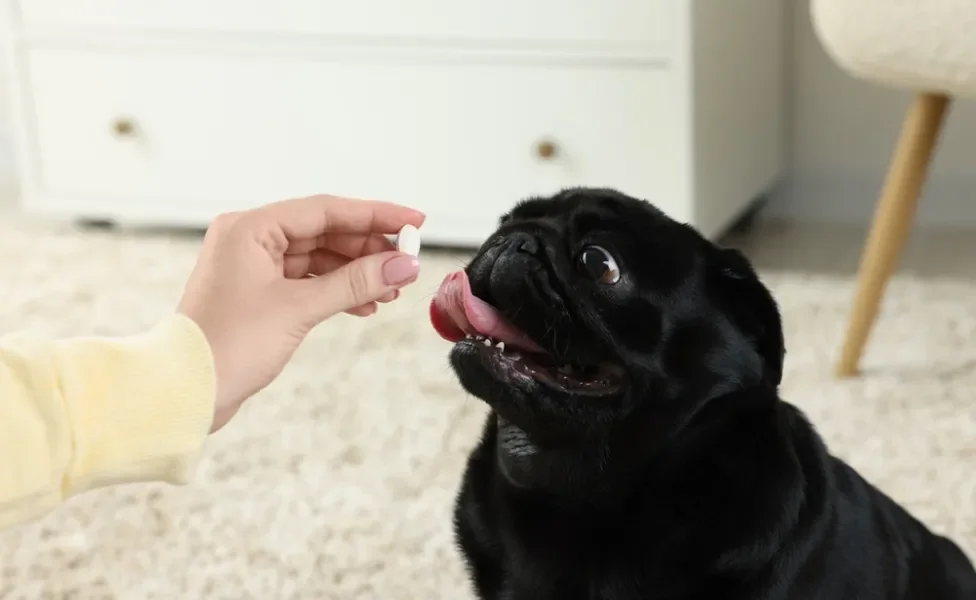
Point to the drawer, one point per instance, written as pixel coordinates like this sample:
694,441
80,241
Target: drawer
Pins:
462,142
580,22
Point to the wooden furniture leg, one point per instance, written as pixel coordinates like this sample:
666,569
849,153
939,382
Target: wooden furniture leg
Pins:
892,220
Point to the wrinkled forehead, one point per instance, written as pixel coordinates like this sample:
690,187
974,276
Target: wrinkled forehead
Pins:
575,211
576,214
657,250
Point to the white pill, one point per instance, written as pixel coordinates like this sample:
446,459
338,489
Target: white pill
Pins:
408,240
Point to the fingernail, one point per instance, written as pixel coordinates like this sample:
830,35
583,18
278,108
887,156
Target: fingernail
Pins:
400,269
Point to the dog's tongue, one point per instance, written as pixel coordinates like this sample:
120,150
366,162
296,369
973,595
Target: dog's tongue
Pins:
455,312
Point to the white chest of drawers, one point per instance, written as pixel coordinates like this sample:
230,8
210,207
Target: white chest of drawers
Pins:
168,112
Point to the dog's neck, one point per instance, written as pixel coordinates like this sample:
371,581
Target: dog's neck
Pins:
569,473
604,471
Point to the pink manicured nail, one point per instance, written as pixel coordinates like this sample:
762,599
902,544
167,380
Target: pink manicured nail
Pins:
400,269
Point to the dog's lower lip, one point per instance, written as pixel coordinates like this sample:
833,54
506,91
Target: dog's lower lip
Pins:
600,380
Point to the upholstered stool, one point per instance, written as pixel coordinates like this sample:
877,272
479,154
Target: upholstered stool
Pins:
928,46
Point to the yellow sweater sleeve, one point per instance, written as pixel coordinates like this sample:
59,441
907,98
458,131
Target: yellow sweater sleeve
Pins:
84,413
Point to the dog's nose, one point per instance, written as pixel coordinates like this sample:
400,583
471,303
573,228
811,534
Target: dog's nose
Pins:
524,243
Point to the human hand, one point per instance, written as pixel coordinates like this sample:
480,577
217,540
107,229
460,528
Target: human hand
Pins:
265,277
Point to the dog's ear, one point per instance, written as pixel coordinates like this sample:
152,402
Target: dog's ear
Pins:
751,307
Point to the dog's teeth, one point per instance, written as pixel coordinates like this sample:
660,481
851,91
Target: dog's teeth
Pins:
487,342
501,346
468,336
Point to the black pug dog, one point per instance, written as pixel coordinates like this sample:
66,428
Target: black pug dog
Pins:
637,447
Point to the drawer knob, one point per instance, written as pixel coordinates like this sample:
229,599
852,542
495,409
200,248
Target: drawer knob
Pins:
546,149
124,127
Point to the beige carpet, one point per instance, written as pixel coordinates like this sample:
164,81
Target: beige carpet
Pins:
338,481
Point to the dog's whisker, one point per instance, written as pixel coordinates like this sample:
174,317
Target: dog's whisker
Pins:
550,329
424,298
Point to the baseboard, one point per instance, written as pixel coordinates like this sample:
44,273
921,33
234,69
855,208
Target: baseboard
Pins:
847,198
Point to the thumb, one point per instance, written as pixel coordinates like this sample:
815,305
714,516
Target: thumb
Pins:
360,281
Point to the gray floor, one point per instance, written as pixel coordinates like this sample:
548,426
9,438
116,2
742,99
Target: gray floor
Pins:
835,249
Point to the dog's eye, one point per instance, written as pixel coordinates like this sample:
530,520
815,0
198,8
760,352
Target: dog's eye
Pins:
598,264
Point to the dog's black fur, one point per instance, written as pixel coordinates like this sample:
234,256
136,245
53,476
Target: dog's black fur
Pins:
695,480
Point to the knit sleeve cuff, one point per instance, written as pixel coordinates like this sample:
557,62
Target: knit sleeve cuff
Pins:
140,408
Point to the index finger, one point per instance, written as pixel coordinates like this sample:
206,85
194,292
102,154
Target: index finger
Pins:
315,215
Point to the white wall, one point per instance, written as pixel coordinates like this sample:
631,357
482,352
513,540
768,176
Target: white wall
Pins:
6,152
841,137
